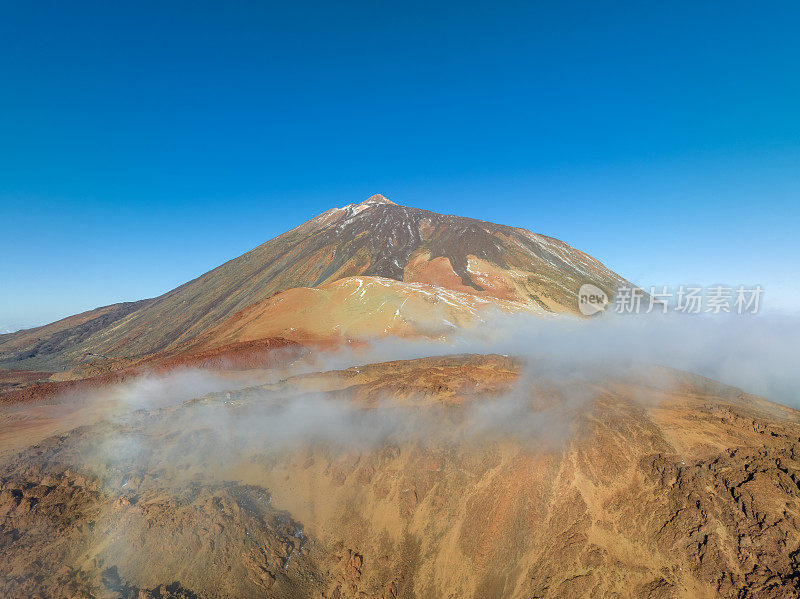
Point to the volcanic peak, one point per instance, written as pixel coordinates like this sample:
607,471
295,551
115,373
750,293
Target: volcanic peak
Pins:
377,199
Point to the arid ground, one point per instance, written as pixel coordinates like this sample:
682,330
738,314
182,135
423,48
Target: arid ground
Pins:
462,476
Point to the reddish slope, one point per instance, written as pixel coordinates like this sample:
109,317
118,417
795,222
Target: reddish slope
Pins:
262,353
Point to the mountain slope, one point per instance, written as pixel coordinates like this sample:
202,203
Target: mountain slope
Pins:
651,485
375,238
357,309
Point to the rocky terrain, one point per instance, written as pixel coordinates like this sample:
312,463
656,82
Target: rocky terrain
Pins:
461,476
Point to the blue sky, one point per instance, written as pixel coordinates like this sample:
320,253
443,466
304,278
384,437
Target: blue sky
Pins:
142,144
